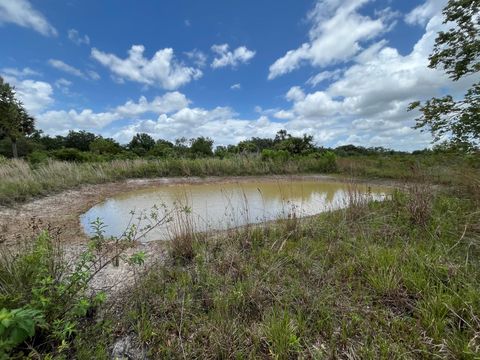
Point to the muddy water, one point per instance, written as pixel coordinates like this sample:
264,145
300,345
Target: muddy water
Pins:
215,206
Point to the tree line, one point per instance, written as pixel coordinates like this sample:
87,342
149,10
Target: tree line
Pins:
83,146
454,123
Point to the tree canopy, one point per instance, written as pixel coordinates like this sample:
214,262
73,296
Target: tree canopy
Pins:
457,51
15,122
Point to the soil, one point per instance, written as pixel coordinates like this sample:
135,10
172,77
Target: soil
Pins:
61,214
62,210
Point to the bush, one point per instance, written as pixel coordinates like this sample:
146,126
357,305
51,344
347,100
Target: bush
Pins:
330,161
69,154
38,157
276,155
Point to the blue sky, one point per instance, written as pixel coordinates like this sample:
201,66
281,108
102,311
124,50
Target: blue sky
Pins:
343,71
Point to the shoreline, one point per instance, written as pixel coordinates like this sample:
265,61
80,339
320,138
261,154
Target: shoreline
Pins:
62,210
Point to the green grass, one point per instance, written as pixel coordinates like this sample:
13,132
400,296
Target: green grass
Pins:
398,279
20,181
378,286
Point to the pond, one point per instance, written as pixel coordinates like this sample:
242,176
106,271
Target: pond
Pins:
219,206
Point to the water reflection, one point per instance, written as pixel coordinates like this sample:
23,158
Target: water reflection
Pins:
220,206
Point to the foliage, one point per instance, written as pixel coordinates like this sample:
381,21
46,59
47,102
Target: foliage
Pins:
201,146
141,144
16,326
105,146
69,154
278,155
372,287
457,51
15,122
79,140
40,290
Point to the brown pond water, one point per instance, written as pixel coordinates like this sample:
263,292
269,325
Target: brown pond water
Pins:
219,206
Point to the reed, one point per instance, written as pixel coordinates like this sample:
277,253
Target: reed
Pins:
20,181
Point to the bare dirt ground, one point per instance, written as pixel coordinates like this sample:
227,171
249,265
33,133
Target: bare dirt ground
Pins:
61,213
62,210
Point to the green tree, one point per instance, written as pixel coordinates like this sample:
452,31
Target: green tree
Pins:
15,122
201,146
141,144
80,140
105,146
457,51
162,148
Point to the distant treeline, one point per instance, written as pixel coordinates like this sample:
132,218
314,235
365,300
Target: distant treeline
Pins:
82,146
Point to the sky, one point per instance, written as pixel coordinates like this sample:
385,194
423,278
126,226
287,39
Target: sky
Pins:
343,71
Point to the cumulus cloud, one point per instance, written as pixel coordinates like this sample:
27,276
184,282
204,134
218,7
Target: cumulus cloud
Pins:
366,104
36,96
59,121
162,70
224,57
190,122
78,39
423,13
21,12
337,32
236,87
169,102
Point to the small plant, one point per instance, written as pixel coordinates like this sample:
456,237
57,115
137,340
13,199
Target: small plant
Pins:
419,203
16,326
281,335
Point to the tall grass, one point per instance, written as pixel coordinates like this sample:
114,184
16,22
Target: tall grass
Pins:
379,285
20,181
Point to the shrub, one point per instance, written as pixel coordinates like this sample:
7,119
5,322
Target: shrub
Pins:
69,154
16,326
276,155
38,157
330,161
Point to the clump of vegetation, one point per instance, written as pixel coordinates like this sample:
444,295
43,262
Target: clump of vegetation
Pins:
46,299
376,286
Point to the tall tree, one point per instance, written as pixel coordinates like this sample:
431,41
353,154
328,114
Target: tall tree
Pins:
457,51
15,122
141,143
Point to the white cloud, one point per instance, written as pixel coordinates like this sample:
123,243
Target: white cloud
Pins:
36,96
338,30
224,57
59,121
62,66
63,85
92,74
284,115
423,13
367,103
295,94
324,75
236,87
169,102
198,57
162,70
22,13
20,73
78,39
